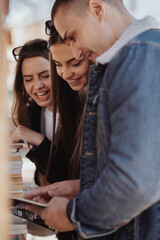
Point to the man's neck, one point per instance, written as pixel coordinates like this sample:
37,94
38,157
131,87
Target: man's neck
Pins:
119,20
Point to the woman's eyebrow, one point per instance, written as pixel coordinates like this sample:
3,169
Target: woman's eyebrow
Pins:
70,60
27,75
30,75
55,61
43,72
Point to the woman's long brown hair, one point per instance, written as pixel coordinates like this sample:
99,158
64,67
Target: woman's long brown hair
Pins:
70,105
21,104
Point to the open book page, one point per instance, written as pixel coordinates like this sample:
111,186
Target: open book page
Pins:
22,202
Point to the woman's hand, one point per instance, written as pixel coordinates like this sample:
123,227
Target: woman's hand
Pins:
27,135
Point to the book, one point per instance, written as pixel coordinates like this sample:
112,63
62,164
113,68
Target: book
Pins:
22,202
15,147
17,194
16,187
15,164
20,142
15,171
15,177
16,155
18,209
20,228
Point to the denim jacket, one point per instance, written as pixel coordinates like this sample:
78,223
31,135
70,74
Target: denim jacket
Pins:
120,162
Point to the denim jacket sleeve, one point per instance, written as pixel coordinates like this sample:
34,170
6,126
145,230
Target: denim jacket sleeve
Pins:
130,181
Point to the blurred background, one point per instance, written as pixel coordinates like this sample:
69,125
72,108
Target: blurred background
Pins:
25,20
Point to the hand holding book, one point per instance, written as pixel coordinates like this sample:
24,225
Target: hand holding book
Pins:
18,209
54,214
56,196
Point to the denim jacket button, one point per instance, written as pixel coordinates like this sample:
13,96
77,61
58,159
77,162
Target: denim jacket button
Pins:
92,113
90,154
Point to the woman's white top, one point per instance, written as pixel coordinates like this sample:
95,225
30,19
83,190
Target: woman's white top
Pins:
48,123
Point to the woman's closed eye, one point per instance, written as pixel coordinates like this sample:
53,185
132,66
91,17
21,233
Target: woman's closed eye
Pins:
72,63
58,65
28,79
44,76
75,64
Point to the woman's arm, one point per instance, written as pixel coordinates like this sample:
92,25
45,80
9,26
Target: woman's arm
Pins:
26,134
58,170
40,152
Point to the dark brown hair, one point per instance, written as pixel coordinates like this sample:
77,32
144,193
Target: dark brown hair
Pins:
21,100
70,105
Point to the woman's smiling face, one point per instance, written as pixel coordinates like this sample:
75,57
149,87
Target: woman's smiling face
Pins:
73,71
37,80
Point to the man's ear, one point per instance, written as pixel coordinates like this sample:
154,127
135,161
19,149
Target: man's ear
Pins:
96,7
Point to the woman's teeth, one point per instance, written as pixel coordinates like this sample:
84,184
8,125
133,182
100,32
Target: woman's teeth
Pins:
41,94
72,81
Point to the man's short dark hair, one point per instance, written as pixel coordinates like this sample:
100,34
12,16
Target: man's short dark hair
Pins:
78,3
67,4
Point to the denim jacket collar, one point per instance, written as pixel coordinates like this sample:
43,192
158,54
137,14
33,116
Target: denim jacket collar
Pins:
135,28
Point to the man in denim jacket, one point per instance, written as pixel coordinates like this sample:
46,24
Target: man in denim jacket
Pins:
120,171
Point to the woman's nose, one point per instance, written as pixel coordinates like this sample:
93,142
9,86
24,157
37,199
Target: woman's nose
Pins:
67,74
38,83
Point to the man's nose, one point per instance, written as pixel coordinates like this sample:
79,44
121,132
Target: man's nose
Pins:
77,52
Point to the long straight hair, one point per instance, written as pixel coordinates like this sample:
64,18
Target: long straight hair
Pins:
70,105
22,104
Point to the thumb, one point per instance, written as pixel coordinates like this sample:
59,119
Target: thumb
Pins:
51,193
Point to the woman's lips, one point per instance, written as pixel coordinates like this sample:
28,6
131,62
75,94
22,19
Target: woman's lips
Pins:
42,95
74,81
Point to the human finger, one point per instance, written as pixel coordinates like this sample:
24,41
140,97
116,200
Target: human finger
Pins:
41,191
35,209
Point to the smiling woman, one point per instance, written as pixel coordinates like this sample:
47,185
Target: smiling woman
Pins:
32,108
36,80
31,81
73,71
70,83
